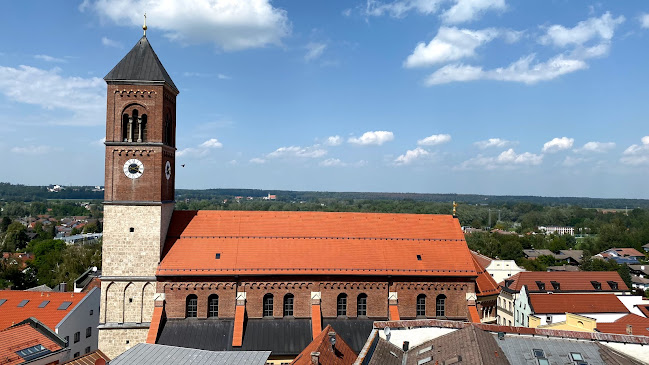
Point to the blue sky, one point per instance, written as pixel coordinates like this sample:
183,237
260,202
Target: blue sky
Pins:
439,96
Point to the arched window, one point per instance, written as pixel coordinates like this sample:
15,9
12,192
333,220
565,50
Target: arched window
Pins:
191,306
143,133
213,306
268,305
135,126
440,306
361,305
421,305
288,305
168,130
341,305
125,128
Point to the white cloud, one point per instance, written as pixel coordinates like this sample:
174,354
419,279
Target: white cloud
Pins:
314,51
211,143
411,156
506,160
297,152
450,44
637,154
644,20
468,10
493,142
111,43
558,144
230,24
85,98
372,138
347,12
47,58
592,28
435,139
34,150
257,160
522,70
460,11
595,147
334,141
201,150
332,162
223,77
570,161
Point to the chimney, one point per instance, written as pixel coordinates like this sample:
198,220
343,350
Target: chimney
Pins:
315,358
629,329
406,345
63,287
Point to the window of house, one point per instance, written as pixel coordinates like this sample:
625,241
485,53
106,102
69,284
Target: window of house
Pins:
421,305
67,340
268,305
77,337
288,305
88,332
76,354
440,306
361,305
341,305
596,285
191,306
541,285
213,306
556,285
91,312
88,350
576,356
613,284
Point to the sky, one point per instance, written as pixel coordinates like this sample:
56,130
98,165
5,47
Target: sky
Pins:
535,97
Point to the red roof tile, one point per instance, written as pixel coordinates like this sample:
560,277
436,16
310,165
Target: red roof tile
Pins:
19,338
89,359
577,303
237,335
314,243
644,309
473,314
486,284
639,325
394,313
569,281
626,252
316,320
341,355
483,260
49,315
152,336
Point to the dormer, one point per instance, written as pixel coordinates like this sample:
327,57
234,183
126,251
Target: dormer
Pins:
596,285
541,285
613,285
556,285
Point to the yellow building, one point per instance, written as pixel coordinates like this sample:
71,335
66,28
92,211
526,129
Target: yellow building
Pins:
573,322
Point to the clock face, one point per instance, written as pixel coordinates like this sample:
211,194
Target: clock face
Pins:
133,168
168,170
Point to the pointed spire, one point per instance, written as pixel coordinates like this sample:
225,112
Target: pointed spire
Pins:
144,26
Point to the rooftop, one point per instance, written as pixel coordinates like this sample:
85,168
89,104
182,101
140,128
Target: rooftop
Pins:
249,243
47,307
339,354
152,354
88,359
27,341
581,281
638,325
576,303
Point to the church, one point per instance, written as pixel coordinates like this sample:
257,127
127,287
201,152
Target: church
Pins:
252,280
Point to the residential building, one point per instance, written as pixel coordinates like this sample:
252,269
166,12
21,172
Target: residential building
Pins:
327,348
419,342
536,282
573,322
570,257
87,279
557,230
30,341
487,291
150,354
72,316
550,308
203,279
622,255
498,269
645,247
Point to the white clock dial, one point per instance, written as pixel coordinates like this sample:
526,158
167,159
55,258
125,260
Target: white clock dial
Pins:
168,170
133,168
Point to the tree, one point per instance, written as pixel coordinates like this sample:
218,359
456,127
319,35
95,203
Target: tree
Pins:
625,274
6,221
15,238
48,256
90,228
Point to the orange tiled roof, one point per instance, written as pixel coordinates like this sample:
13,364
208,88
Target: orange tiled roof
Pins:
569,281
88,359
486,284
49,315
639,325
577,303
644,309
19,338
314,243
343,355
625,252
483,260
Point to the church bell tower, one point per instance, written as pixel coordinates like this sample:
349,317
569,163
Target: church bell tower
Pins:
139,193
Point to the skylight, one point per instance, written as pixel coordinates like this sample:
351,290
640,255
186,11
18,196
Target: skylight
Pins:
23,303
64,306
2,301
33,352
43,304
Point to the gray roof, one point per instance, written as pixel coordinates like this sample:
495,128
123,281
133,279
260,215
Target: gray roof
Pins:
141,64
150,354
353,331
518,350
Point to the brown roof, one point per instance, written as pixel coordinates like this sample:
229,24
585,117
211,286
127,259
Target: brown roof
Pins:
20,337
47,313
385,353
483,260
625,252
249,243
576,303
639,325
474,345
88,359
569,281
339,354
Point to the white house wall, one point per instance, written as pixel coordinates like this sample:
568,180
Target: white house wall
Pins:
77,320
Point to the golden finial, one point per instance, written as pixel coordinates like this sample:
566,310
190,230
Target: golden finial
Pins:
144,26
454,208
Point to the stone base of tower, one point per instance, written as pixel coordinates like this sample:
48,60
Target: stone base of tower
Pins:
114,341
